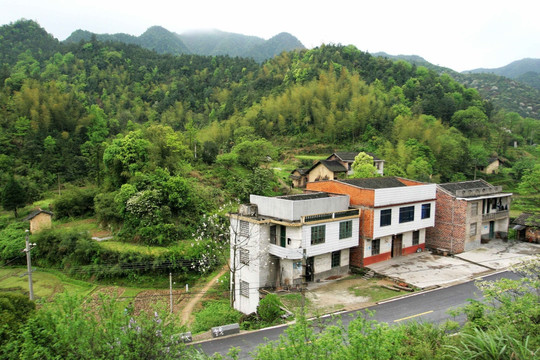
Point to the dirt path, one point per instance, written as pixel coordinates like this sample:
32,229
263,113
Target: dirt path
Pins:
188,309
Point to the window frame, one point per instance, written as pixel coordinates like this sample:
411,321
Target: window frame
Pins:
244,228
273,234
474,208
244,288
335,259
318,234
244,256
471,233
378,247
416,237
426,211
385,214
345,229
406,215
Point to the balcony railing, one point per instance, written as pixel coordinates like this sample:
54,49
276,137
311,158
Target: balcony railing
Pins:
327,216
496,215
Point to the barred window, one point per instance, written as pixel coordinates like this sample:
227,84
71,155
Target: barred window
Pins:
375,246
318,234
345,229
244,228
416,237
244,288
336,259
473,229
386,217
244,256
474,209
273,232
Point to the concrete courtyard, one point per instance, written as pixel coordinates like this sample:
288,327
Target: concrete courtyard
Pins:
426,270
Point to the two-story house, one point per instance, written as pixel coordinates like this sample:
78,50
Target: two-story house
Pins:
467,213
346,158
395,214
276,241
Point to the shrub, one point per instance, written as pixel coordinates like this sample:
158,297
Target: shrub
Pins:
12,241
75,202
269,308
215,313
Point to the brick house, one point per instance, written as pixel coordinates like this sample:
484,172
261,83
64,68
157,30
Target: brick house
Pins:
39,220
527,227
346,158
395,214
299,178
467,213
272,237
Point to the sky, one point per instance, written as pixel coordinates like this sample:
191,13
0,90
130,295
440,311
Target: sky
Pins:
461,35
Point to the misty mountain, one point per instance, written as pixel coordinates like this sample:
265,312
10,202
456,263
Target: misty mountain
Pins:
525,71
211,42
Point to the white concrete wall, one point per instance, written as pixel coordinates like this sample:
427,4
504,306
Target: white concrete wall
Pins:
396,227
332,240
293,210
404,194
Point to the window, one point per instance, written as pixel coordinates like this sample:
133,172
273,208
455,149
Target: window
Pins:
345,229
273,236
474,209
244,288
282,236
336,259
244,256
244,228
426,211
375,247
416,237
406,214
473,229
386,217
318,234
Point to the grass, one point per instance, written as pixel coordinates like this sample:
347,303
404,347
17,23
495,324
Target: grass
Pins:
372,290
46,284
312,157
128,247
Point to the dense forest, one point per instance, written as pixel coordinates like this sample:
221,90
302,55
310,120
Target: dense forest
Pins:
150,142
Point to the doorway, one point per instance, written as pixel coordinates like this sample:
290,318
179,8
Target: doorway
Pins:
397,244
491,229
310,269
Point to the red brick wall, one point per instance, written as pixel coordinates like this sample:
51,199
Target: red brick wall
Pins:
449,231
362,197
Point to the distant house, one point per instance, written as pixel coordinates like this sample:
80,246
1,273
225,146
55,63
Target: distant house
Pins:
326,170
527,227
395,214
299,178
492,167
272,237
39,220
467,213
347,159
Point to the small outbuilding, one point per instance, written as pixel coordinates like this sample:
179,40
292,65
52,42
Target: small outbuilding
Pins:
527,227
39,220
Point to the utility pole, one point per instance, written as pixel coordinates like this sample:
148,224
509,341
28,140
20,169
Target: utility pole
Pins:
170,290
304,279
29,265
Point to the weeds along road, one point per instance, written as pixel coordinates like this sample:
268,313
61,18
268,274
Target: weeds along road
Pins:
429,306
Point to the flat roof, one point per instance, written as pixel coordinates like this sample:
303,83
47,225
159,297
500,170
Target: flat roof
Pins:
311,196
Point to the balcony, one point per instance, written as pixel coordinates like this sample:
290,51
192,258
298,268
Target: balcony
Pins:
292,251
496,215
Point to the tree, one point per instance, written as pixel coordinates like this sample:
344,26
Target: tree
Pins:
530,182
479,156
363,166
13,196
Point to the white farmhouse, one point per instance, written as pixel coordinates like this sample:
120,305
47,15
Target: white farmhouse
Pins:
272,237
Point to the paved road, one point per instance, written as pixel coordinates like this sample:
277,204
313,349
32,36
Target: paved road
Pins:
430,306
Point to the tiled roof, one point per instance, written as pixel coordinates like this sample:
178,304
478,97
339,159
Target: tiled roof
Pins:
528,219
465,185
375,183
35,213
300,171
348,156
334,165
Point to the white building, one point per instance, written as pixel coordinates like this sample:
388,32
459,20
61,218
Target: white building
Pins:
271,236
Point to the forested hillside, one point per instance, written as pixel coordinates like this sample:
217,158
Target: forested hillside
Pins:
160,140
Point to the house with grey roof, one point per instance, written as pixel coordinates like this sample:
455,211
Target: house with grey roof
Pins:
346,158
468,213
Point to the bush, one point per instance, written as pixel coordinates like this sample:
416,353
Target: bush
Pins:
215,313
12,241
269,308
75,202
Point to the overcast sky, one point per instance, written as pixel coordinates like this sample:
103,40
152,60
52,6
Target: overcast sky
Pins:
458,34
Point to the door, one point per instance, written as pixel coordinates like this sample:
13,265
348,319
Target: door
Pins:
491,229
310,269
397,241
